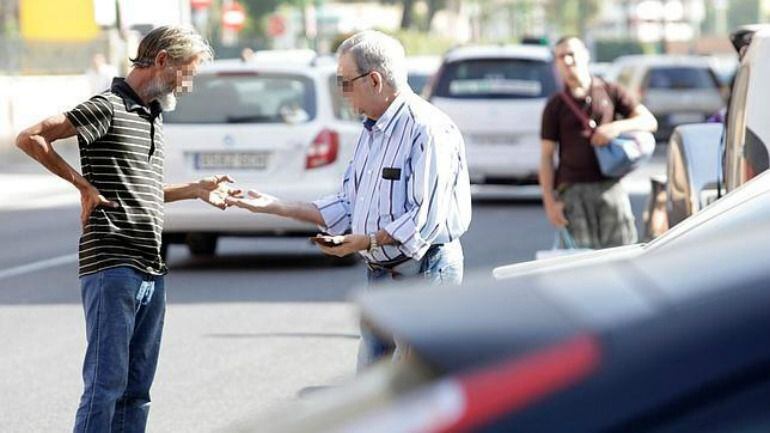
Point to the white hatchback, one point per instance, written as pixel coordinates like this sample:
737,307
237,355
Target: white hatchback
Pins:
496,96
279,127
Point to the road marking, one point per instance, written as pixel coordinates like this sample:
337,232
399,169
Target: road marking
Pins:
38,266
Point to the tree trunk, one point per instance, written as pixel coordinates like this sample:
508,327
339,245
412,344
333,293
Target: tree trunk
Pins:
408,15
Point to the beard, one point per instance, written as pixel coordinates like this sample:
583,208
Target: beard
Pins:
163,93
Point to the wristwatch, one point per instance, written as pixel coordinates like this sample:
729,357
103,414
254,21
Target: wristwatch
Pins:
373,245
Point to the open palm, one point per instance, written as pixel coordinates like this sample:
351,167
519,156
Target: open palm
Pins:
215,191
254,201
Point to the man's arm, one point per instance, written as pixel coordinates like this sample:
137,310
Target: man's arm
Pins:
258,202
640,119
554,209
36,141
212,190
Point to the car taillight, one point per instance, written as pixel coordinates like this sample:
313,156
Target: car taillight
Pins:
324,149
472,400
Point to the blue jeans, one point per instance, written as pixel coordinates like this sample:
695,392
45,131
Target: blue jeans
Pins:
442,264
124,311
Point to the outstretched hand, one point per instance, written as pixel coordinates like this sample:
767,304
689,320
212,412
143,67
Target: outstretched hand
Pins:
215,191
254,201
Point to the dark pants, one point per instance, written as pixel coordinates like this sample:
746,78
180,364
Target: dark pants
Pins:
124,311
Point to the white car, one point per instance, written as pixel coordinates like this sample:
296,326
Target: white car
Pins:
279,127
676,89
420,71
496,96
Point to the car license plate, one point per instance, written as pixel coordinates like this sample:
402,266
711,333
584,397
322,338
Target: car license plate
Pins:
231,160
493,139
680,118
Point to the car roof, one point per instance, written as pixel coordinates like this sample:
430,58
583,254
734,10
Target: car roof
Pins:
652,60
523,313
529,52
659,321
302,66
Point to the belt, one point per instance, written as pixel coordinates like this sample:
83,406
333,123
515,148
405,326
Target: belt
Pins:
390,264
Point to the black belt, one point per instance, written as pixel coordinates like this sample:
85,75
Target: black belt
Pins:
390,264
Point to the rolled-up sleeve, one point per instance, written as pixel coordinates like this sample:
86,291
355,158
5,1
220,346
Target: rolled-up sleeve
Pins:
335,208
434,162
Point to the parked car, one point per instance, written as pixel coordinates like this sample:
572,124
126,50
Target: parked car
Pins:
670,342
676,89
420,71
276,126
734,212
496,96
706,160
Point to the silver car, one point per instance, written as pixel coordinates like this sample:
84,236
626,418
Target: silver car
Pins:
676,89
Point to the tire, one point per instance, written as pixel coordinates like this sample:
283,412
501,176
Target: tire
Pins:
201,244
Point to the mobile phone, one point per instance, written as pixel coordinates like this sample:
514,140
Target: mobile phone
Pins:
327,241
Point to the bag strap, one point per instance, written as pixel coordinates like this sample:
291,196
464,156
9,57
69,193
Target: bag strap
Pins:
576,110
569,242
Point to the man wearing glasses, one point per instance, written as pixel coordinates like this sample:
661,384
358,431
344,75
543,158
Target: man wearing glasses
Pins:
405,198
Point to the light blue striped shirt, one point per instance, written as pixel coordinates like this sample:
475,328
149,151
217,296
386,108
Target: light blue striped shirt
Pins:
408,176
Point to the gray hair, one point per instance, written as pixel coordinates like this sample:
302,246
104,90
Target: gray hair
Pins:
376,51
181,43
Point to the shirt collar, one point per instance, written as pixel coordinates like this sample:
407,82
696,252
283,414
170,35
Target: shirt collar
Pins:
389,118
132,101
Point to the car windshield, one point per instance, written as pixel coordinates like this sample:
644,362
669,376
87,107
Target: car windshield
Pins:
246,98
417,81
497,79
680,78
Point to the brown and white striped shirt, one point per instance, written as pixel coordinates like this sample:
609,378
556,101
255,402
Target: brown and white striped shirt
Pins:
122,155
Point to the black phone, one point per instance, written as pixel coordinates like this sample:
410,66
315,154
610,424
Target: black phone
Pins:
327,241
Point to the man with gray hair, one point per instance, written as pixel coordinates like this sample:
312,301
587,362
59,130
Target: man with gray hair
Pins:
405,199
122,148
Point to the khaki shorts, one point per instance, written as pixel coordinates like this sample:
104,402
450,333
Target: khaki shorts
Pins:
599,214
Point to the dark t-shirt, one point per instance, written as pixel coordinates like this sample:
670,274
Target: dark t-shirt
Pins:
577,160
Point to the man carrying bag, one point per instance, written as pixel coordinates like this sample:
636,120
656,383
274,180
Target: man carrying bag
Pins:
577,195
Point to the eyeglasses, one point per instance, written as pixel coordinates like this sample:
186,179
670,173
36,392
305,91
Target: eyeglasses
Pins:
347,85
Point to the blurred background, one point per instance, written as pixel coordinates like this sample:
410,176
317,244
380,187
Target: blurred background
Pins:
43,40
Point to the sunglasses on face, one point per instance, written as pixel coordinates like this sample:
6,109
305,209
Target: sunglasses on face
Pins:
347,85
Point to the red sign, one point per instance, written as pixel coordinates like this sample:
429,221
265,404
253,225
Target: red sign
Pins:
200,4
233,17
276,26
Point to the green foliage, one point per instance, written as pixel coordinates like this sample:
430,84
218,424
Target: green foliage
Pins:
415,43
607,51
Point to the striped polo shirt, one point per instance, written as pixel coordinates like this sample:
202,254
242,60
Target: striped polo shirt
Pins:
409,177
122,154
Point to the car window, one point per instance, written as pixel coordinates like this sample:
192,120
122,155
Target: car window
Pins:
680,78
417,81
496,79
342,110
246,98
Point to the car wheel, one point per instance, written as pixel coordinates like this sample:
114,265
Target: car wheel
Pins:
201,244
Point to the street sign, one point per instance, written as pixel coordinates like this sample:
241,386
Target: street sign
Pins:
200,4
276,26
233,17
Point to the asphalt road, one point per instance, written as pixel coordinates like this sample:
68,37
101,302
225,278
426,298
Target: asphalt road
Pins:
246,331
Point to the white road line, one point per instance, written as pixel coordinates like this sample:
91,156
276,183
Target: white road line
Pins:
38,266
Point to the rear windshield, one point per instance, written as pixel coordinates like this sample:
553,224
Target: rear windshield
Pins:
246,98
681,78
496,79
